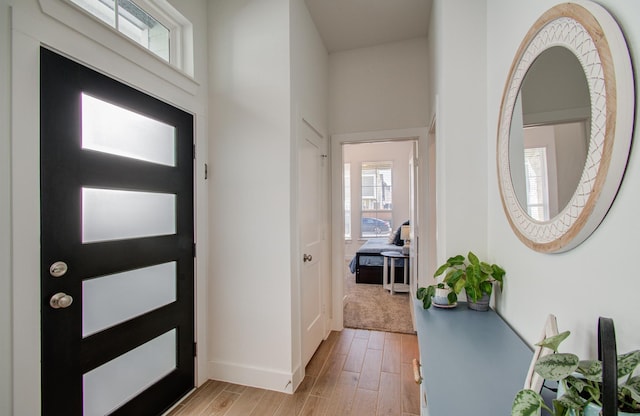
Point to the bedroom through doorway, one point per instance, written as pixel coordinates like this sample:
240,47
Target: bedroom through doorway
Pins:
377,189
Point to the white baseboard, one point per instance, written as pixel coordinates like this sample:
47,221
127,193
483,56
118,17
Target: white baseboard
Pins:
263,378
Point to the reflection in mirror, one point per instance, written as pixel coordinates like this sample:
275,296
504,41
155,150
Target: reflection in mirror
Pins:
550,132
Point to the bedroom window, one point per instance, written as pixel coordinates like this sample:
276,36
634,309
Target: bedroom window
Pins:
376,195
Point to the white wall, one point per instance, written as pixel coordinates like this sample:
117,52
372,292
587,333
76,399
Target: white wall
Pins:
250,296
594,279
123,60
310,69
377,92
379,88
268,72
5,215
458,70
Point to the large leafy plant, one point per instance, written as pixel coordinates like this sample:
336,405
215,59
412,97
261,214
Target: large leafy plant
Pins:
474,276
581,382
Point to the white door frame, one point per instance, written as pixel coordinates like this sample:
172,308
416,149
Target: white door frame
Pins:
29,31
337,201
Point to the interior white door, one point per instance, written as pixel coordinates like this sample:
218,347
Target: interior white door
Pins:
311,239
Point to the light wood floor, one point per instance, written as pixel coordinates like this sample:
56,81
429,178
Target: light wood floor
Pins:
354,372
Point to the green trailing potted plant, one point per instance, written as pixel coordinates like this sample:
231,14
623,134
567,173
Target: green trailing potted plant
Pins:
579,384
469,273
438,294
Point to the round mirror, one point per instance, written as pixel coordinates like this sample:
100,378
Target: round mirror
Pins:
565,126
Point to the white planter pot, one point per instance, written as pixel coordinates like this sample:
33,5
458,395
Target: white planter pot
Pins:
440,297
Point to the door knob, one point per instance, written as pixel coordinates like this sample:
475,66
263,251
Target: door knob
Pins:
60,301
307,257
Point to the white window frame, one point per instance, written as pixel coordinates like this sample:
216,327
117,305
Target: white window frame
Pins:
541,182
181,47
347,200
166,15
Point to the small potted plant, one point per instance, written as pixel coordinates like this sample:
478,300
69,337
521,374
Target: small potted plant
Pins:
438,294
474,276
579,384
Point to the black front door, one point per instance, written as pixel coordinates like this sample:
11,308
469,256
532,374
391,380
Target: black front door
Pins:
117,245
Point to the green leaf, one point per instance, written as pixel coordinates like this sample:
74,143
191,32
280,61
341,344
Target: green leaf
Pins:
556,367
453,276
575,383
632,388
628,362
473,259
456,261
590,369
425,294
571,400
441,270
554,341
486,268
498,274
472,294
526,403
458,281
486,287
474,271
452,298
421,292
430,291
559,409
459,285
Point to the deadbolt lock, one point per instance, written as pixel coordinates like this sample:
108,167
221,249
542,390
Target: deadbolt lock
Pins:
58,269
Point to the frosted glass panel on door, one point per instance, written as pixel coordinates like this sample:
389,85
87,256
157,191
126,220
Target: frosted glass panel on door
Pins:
115,130
115,298
109,214
112,384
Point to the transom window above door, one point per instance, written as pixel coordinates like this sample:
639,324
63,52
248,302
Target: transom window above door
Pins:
154,25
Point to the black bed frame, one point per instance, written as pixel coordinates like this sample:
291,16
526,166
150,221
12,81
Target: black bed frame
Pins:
373,274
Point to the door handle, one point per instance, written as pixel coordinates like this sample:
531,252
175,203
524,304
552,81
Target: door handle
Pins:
307,257
60,301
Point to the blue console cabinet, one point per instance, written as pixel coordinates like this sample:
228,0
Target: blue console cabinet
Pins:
472,363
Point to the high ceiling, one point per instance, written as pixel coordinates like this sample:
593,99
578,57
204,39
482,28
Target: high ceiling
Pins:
350,24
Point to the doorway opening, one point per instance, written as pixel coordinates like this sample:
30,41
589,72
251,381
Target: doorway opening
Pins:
378,200
418,254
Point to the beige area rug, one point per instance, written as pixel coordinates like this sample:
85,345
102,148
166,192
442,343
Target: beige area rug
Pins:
372,307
